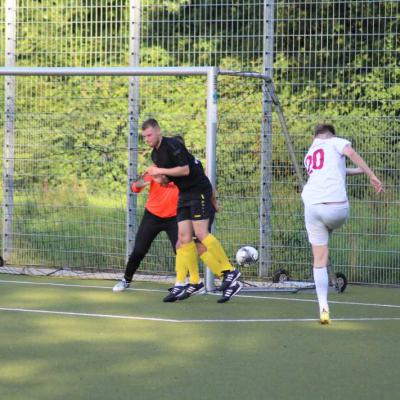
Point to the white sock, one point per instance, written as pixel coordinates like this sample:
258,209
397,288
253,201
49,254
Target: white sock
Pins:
321,286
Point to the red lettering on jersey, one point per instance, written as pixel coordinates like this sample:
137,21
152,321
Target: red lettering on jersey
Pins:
315,161
318,159
309,161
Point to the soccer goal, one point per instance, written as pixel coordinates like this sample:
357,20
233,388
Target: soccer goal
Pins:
72,149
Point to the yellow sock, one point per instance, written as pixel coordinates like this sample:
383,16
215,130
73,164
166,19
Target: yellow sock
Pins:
180,267
191,262
211,262
218,253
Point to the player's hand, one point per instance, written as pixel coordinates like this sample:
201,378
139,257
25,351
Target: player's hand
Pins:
376,183
153,170
140,181
163,180
215,204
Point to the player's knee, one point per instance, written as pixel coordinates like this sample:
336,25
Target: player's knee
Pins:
320,255
201,233
184,237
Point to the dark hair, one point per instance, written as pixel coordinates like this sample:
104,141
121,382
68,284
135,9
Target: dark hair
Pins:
150,123
179,138
322,128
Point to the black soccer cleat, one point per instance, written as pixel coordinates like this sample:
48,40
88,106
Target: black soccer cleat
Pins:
230,292
229,279
191,290
173,294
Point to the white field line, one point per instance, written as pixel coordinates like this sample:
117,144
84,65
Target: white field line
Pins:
191,321
78,286
352,303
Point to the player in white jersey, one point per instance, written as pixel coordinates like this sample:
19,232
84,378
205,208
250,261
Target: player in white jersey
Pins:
326,206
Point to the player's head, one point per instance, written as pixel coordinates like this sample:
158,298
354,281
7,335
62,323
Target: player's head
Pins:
151,132
324,129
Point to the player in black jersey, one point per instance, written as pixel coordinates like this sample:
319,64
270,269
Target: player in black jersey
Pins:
171,158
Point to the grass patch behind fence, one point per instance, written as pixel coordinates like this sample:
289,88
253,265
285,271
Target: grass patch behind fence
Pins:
92,236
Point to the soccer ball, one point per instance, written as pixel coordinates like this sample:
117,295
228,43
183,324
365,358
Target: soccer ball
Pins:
246,256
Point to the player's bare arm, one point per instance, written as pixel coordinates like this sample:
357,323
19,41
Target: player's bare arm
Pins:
175,171
161,179
354,171
358,160
214,201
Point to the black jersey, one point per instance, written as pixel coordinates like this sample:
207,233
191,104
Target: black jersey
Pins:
173,153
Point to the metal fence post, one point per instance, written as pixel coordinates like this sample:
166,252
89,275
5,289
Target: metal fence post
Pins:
211,145
8,155
134,43
266,145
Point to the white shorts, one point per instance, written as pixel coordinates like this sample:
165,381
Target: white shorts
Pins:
321,219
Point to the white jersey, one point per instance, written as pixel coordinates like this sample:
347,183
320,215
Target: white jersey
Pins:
326,168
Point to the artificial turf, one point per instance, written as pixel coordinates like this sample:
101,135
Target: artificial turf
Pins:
57,356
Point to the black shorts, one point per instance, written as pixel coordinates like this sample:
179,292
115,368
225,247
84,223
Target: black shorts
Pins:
194,206
210,222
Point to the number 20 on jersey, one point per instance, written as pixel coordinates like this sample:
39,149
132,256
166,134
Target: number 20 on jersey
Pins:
315,161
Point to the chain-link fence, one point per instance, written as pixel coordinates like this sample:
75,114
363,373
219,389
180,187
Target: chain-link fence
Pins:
338,62
70,134
334,61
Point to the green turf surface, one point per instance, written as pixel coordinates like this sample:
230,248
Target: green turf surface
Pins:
56,356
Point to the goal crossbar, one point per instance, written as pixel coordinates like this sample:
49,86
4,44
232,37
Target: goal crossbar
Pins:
106,71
